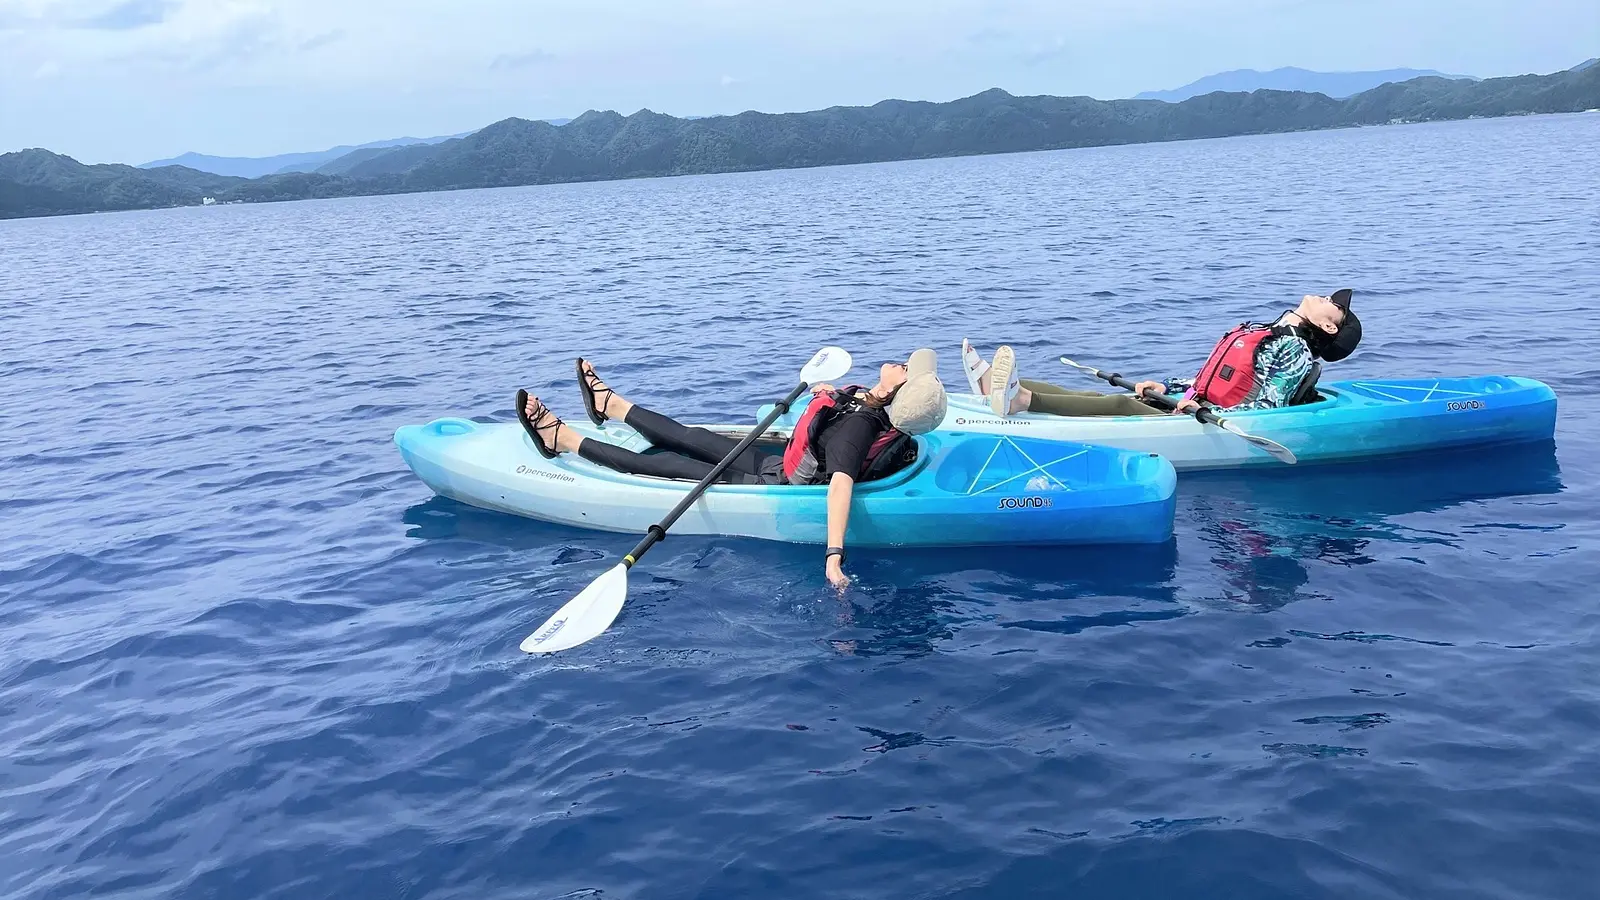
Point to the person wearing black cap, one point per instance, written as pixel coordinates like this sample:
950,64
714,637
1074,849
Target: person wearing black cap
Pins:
1252,367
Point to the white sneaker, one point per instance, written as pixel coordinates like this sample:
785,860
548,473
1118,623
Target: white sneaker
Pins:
974,366
1003,381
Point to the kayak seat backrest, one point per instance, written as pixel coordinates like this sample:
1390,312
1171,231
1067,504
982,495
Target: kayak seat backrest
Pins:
1307,391
900,452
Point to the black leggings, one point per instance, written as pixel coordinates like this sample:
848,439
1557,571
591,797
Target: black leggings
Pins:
693,452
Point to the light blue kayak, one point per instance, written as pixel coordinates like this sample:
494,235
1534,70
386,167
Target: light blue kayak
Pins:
962,489
1353,420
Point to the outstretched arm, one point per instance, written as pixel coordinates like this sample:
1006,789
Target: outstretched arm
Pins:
840,488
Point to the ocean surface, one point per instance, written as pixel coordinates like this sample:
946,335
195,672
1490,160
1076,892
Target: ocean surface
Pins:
244,653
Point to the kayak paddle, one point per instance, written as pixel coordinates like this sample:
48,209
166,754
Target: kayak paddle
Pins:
1279,452
589,614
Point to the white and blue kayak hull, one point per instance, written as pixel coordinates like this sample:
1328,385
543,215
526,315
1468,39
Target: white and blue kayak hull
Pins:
963,489
1359,419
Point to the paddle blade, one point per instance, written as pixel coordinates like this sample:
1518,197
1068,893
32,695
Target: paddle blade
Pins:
830,364
1279,452
584,617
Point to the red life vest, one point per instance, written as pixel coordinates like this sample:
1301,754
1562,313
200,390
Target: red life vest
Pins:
800,462
1229,374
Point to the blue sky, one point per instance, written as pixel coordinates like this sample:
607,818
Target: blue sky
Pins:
134,80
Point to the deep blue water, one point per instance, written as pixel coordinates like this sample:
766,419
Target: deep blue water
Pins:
243,652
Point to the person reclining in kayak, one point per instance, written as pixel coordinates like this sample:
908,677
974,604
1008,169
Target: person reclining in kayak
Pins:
845,435
1252,367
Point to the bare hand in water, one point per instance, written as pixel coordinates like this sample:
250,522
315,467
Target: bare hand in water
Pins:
836,575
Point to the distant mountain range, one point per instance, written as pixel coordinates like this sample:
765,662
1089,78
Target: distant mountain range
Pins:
1335,84
257,166
313,161
605,145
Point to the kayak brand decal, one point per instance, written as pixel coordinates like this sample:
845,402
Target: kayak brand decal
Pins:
1024,503
1019,423
549,632
1457,405
555,476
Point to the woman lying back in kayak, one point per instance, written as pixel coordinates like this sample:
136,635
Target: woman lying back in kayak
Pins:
1252,367
844,436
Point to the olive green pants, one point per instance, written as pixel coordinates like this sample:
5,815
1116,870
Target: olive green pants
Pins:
1058,401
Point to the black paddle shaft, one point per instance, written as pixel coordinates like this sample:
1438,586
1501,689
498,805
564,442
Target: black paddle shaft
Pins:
658,531
1161,400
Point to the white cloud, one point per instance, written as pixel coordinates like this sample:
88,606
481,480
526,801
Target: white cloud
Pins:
522,60
90,15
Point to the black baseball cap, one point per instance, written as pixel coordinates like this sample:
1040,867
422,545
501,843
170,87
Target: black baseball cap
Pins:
1344,341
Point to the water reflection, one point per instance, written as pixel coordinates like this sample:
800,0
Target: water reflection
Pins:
439,518
1260,527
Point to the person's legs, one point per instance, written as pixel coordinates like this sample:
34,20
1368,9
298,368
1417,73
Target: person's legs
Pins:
751,466
662,465
1087,403
1049,399
977,371
695,443
661,431
1045,387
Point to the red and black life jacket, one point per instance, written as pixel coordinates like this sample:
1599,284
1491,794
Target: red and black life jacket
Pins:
1229,374
889,451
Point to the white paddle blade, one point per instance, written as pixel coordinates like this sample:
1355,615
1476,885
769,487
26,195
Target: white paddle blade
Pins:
1279,452
830,364
585,616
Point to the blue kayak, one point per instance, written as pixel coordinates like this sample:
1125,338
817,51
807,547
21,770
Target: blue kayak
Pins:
1349,420
962,489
